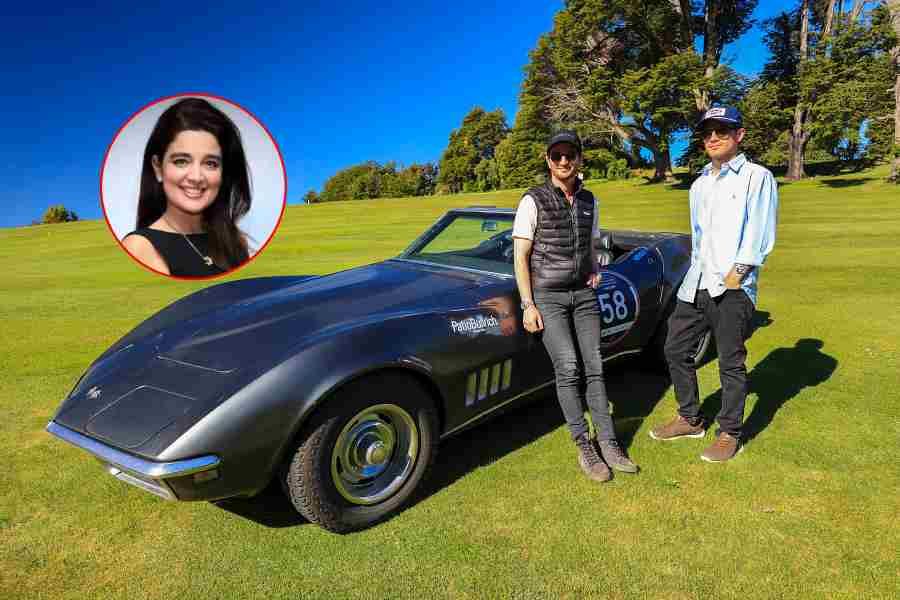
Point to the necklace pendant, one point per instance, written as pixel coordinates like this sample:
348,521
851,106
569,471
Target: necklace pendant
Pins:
208,261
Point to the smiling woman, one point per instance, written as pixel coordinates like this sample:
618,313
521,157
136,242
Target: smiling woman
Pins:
185,194
195,190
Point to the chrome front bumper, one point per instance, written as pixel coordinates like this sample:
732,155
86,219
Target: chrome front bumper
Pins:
148,475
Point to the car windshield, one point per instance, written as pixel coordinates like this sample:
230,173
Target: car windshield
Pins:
480,242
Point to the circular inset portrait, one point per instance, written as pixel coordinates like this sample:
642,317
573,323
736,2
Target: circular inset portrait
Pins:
193,186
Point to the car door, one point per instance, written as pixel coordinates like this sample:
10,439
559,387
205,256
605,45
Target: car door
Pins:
490,360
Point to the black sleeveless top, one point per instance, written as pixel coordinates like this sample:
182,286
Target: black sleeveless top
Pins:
181,259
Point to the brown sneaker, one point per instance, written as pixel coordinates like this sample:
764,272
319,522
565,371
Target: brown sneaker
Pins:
724,448
679,427
591,463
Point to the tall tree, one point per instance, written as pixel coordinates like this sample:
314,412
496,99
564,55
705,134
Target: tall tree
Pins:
723,22
475,140
520,161
799,134
839,68
823,109
630,68
894,8
853,101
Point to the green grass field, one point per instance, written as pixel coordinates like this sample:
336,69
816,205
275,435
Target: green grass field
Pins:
809,510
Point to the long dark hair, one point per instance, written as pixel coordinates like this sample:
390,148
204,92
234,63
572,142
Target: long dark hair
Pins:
227,244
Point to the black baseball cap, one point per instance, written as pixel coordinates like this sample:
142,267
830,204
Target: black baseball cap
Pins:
726,114
564,135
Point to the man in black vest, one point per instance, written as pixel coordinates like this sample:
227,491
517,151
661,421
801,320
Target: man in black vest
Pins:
556,280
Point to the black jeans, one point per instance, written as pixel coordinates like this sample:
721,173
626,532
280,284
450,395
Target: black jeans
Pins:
570,317
729,317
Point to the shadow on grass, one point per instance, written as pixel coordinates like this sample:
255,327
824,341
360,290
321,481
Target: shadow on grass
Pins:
461,454
270,508
827,168
682,181
849,182
486,443
779,377
633,389
634,392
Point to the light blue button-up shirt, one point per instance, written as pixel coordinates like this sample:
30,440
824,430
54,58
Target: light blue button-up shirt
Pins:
733,219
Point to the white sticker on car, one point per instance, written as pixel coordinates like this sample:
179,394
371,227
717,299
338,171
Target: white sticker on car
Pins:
474,325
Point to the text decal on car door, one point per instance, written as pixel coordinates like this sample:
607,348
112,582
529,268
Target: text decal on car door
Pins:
475,325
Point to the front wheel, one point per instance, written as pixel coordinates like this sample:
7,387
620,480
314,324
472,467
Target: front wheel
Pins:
364,454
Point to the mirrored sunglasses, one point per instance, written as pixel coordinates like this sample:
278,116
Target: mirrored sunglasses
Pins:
557,155
720,131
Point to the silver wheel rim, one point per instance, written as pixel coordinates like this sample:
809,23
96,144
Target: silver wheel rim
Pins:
374,454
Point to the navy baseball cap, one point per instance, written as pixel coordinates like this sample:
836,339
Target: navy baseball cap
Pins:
564,135
726,114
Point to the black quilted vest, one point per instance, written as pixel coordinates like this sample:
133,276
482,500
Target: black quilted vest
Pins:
561,253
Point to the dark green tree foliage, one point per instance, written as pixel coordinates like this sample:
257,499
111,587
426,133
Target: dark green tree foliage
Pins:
728,88
722,23
630,68
784,53
894,145
487,175
520,161
58,214
373,180
849,81
311,197
520,156
768,107
839,88
475,141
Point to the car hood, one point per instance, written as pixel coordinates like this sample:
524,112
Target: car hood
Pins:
259,327
186,361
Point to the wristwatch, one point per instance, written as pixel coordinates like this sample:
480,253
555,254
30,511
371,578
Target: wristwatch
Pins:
525,304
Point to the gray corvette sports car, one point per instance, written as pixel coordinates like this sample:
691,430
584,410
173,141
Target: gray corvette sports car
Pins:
342,386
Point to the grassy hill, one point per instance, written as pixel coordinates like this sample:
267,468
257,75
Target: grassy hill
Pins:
810,509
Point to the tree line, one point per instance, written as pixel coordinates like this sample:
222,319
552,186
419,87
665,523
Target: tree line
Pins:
374,180
632,75
57,213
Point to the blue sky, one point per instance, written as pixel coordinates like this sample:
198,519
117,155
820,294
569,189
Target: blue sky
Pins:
336,83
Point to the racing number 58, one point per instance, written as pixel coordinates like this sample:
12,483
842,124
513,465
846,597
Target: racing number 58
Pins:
617,310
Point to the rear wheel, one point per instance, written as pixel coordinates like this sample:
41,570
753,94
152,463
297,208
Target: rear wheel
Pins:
364,454
657,348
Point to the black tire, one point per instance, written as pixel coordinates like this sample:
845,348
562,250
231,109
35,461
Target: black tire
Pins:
657,348
382,425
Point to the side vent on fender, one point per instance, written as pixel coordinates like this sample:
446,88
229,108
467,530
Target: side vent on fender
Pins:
488,381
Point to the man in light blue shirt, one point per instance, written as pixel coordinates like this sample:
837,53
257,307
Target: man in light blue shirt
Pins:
734,206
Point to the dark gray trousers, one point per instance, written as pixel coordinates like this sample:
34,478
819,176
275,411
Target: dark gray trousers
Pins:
572,338
729,317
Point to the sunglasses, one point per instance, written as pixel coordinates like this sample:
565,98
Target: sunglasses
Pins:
721,131
557,155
